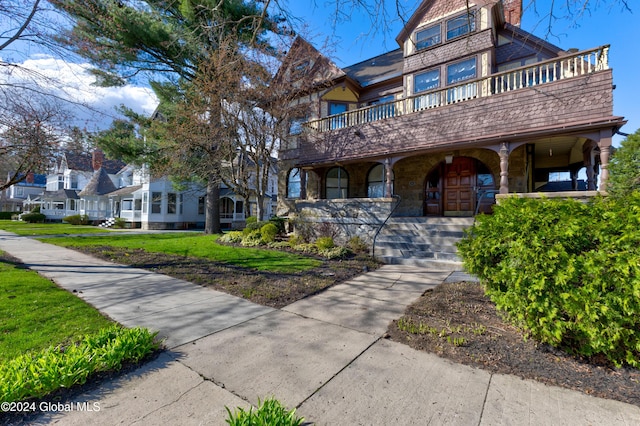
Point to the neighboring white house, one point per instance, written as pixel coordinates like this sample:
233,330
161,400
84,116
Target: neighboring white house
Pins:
14,197
104,189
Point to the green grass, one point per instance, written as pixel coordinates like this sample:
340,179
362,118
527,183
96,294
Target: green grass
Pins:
27,229
35,313
198,245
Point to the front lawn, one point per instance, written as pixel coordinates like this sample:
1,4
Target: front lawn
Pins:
195,246
35,313
52,340
30,229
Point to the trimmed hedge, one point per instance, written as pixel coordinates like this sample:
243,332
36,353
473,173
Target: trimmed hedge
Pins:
76,219
33,217
566,272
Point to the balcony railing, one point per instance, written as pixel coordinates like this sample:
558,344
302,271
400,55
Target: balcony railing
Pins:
575,65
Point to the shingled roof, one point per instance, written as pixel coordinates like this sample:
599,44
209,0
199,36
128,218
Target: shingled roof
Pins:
85,162
100,184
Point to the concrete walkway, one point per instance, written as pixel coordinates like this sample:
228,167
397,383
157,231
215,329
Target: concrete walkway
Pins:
324,355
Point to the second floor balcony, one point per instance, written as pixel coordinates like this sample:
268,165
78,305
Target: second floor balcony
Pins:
566,94
571,66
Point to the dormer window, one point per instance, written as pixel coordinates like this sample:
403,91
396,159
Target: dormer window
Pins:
461,25
300,69
428,37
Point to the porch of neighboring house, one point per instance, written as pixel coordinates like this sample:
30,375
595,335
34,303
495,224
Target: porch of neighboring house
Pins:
56,205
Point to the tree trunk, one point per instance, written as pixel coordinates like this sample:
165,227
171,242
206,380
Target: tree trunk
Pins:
212,216
260,206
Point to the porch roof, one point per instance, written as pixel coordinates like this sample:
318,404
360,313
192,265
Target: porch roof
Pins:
60,194
574,129
127,190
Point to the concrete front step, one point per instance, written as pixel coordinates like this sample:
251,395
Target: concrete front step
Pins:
418,254
404,241
430,264
421,240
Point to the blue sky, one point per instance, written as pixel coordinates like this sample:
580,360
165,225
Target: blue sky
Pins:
605,22
356,38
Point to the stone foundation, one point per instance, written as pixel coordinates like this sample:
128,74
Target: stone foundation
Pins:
360,217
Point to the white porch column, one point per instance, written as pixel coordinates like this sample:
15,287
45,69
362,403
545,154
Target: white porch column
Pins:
504,168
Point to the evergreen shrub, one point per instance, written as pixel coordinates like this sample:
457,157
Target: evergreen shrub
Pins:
567,272
33,217
325,243
76,219
268,231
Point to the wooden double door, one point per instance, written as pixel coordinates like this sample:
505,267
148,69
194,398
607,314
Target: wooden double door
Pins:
450,189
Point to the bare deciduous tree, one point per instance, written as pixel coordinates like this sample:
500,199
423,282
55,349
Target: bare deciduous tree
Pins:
29,134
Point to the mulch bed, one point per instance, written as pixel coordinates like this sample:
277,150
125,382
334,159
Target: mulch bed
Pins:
273,289
461,324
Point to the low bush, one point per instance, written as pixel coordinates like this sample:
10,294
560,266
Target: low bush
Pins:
269,412
306,248
279,222
37,374
279,245
251,219
232,237
268,232
357,245
567,272
7,215
120,223
33,217
76,219
252,227
334,252
252,239
325,243
296,239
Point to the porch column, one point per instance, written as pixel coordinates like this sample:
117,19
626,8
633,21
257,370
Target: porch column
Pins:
388,190
303,184
589,163
605,150
504,168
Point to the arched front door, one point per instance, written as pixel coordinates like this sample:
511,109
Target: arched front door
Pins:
453,189
459,183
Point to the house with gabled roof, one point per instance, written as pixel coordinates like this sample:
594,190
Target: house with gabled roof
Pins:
470,107
13,198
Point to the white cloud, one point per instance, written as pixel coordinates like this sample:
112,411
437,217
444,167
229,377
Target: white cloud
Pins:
93,106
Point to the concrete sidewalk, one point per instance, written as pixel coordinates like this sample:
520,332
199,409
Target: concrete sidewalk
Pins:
324,355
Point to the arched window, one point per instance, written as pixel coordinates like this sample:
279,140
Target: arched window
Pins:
293,183
226,208
337,183
377,181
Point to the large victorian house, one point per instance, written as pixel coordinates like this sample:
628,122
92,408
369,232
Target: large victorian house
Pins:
468,107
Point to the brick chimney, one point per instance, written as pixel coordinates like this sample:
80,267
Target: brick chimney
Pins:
97,159
512,11
30,177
